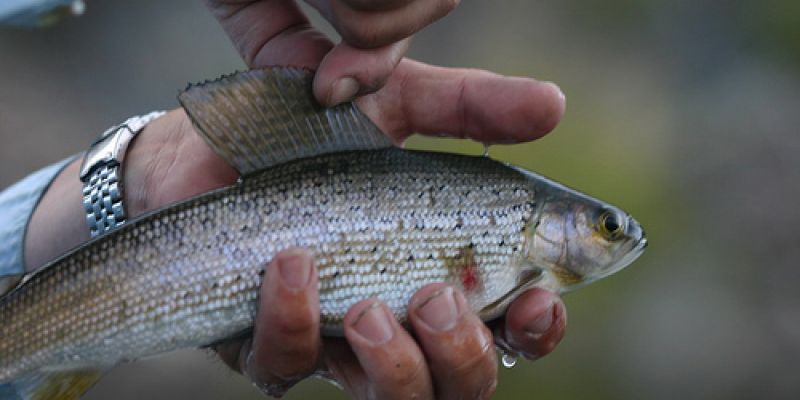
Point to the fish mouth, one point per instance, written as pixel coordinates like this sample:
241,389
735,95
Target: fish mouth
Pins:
635,251
641,244
632,255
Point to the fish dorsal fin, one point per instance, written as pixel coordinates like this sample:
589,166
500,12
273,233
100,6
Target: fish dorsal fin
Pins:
260,118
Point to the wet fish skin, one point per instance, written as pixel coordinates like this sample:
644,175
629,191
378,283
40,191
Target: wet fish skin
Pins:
380,223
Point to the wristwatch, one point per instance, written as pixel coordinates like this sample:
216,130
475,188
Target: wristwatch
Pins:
100,174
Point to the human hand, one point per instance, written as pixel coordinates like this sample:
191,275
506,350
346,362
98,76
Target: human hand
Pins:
174,163
375,37
169,162
450,356
410,97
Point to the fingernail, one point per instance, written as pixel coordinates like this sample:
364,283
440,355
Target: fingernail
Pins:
539,326
374,325
343,90
439,311
295,269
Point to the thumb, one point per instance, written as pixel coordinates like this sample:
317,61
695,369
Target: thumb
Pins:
346,71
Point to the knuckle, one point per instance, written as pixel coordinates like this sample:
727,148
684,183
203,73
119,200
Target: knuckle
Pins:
475,362
378,75
295,325
481,353
292,321
405,373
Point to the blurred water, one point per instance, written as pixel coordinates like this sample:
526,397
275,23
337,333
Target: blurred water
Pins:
683,113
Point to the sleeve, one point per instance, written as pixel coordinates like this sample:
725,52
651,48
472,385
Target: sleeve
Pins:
16,207
30,13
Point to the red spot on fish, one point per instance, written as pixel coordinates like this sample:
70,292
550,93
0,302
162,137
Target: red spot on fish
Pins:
469,276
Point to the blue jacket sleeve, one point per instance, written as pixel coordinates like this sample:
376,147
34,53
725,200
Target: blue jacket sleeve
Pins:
37,12
16,207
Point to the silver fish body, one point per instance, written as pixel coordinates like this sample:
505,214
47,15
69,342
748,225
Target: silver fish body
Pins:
380,221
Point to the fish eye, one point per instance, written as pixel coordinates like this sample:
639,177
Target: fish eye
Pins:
610,226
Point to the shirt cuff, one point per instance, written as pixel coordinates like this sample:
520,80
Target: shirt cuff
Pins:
16,208
37,12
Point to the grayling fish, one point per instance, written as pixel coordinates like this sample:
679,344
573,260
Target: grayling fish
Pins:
380,222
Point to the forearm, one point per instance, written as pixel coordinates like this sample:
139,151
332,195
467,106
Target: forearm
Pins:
160,167
58,222
17,204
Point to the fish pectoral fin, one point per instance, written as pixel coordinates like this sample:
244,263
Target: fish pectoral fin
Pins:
532,278
59,385
264,117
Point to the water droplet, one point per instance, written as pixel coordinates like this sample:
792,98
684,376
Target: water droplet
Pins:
485,150
509,360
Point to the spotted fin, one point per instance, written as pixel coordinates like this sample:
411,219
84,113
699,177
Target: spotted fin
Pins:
260,118
60,385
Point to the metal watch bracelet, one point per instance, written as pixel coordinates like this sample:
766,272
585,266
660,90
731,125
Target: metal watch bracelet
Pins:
101,174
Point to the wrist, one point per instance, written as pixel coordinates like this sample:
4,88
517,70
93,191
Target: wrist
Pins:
165,163
169,162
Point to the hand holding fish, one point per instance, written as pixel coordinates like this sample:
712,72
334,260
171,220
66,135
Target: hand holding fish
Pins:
169,162
453,355
416,97
375,35
410,97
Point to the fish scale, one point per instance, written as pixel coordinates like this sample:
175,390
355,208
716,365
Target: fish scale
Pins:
201,263
380,221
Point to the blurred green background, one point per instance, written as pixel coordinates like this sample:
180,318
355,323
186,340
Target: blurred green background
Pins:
684,113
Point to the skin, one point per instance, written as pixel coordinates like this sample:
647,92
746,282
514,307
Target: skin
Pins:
451,353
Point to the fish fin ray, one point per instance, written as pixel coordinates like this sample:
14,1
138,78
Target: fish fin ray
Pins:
264,117
56,385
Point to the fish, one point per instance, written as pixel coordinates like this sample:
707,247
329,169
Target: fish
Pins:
380,222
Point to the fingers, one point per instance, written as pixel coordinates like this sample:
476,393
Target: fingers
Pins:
386,362
466,103
375,37
270,32
286,340
347,71
535,323
457,344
